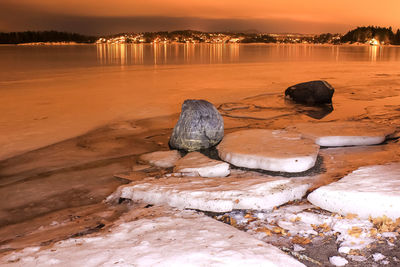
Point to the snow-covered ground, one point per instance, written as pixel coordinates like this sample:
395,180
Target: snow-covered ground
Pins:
372,191
245,190
303,223
177,238
344,133
271,150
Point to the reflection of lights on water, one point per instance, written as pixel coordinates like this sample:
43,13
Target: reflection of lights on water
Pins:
335,52
373,52
160,53
123,53
206,53
234,52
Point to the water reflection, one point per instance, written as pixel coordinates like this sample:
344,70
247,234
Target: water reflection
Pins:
160,53
189,53
375,53
317,112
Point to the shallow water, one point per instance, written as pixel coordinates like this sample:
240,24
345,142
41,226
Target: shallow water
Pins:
71,117
50,93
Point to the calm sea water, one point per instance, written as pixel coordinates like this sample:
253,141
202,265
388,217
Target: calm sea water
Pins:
24,58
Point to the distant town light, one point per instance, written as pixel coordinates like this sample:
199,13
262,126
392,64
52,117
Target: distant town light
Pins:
373,41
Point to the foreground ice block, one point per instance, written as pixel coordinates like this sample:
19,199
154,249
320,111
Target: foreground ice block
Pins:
181,239
349,133
369,191
196,164
268,150
163,159
215,194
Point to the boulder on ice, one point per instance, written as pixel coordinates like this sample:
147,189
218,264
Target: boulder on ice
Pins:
311,93
199,126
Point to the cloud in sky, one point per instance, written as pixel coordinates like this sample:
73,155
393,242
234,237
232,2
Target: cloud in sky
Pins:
112,16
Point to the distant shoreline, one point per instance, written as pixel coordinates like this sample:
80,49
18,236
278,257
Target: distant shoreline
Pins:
52,43
174,43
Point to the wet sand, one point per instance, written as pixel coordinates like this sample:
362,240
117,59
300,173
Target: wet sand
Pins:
55,175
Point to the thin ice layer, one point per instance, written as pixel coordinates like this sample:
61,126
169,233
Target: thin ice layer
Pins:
215,194
268,150
183,239
196,164
163,159
369,191
349,133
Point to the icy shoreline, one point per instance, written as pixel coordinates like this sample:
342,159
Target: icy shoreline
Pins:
36,181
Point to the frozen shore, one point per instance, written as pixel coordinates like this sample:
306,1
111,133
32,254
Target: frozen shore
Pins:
57,104
52,184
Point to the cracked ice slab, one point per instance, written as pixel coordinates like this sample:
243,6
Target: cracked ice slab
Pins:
216,194
181,239
350,133
196,164
368,191
271,150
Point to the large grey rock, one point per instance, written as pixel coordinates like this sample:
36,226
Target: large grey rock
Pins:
199,126
311,93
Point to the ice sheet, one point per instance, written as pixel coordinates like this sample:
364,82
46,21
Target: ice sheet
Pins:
215,194
268,150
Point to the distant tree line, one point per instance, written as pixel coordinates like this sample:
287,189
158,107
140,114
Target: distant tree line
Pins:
258,38
365,34
43,36
360,34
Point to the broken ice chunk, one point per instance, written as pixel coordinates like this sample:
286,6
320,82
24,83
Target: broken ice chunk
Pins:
369,191
268,150
349,133
215,194
196,164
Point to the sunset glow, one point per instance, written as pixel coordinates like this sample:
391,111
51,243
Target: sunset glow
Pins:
310,16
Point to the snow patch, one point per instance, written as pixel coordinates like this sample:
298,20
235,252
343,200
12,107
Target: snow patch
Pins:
181,239
196,164
301,222
372,191
338,261
378,256
268,150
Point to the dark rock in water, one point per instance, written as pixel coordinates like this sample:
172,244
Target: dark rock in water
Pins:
311,93
200,126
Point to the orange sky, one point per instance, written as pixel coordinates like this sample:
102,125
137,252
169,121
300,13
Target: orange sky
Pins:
313,15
